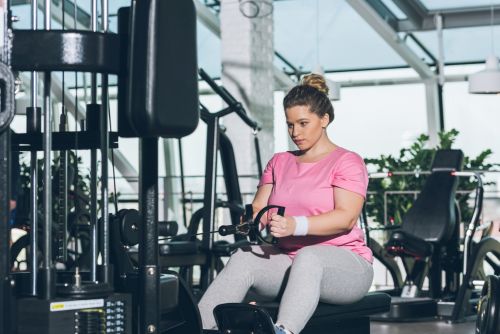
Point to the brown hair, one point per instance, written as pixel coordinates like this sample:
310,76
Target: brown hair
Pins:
312,92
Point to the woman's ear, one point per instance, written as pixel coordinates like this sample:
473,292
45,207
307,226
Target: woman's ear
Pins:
325,120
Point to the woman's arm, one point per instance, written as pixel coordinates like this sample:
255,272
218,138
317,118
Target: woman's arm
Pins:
261,198
342,219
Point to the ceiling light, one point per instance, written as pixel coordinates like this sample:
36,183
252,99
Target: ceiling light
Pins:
333,87
486,81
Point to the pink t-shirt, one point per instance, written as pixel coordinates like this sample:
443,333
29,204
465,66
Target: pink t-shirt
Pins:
306,189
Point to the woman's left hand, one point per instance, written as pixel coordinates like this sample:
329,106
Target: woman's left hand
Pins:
282,226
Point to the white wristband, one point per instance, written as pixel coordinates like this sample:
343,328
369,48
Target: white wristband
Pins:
301,225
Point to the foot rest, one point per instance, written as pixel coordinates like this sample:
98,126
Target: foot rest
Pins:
409,309
242,319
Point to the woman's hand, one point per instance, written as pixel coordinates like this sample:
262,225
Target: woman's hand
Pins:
282,226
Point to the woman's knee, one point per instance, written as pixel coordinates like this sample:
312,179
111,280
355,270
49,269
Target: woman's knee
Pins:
245,258
239,260
308,256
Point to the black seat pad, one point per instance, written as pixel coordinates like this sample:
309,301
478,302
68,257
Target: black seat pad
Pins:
179,247
403,243
372,303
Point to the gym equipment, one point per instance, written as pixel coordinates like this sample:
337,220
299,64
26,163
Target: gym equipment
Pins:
252,227
327,318
99,52
488,318
427,238
59,50
178,313
81,316
249,227
213,140
6,115
185,251
243,318
379,252
234,318
458,298
7,85
162,102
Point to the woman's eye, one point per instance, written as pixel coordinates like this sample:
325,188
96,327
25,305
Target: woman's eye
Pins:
303,123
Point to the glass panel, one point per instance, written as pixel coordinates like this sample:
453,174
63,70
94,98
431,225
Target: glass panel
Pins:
114,5
395,9
209,49
463,44
344,41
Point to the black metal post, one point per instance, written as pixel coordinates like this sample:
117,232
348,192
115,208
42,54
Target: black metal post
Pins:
33,125
183,187
4,231
48,274
148,246
104,135
63,193
93,209
209,198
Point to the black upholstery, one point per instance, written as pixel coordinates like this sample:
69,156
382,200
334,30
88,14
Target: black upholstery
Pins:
179,247
429,231
373,302
342,319
402,242
432,218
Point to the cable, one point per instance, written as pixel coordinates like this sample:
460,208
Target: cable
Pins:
492,37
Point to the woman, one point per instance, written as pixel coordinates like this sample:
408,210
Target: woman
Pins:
321,254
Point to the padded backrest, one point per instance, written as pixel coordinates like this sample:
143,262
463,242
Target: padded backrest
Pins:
448,160
432,217
162,94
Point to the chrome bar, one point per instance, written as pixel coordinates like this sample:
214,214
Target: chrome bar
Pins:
33,262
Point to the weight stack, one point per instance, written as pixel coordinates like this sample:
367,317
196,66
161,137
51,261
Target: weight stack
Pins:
76,316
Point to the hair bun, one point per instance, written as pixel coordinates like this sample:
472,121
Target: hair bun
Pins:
317,81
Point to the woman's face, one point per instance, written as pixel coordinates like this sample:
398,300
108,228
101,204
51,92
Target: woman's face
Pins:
305,127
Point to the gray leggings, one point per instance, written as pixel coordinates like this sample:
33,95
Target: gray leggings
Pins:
317,273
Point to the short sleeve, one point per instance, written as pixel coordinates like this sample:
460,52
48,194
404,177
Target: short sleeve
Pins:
351,174
268,173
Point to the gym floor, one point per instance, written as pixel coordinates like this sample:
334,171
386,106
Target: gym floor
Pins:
429,327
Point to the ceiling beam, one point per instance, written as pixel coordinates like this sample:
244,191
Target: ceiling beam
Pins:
453,18
384,29
385,13
391,37
414,11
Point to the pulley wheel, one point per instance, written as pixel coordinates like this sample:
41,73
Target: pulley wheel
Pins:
130,221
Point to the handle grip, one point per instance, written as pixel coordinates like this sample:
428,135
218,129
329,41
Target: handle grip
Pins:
227,230
281,210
